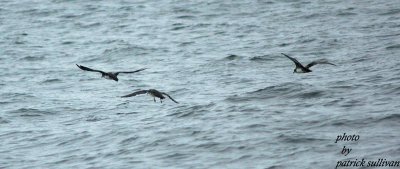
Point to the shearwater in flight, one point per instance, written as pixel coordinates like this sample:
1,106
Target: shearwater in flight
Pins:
306,69
152,92
108,75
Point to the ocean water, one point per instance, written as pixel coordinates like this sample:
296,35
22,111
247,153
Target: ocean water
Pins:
241,105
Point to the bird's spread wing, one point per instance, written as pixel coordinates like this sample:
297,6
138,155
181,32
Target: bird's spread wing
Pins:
89,69
321,61
170,97
131,71
136,93
298,64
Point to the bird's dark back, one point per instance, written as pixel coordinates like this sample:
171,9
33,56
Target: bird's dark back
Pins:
113,76
156,93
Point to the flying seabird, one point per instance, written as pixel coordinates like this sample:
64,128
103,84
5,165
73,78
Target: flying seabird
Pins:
108,75
301,69
153,92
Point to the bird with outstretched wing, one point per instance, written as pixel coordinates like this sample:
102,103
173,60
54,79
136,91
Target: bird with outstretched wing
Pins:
108,75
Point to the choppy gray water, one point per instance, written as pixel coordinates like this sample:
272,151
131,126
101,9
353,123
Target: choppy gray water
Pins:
240,104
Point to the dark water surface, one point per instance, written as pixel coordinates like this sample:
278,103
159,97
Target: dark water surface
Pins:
240,104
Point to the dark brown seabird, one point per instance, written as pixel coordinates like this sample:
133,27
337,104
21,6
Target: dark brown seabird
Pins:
306,69
108,75
153,92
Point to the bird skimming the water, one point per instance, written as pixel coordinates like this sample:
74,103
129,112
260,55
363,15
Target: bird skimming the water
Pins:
108,75
306,69
153,92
